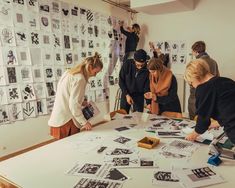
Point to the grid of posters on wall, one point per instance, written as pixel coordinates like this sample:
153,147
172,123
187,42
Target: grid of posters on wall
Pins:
39,40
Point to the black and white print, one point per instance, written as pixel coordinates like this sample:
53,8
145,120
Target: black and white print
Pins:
50,104
56,24
57,40
44,6
65,10
29,109
12,75
145,162
26,74
28,93
165,178
20,3
41,107
85,183
19,18
6,13
14,94
16,111
46,40
32,5
49,74
33,20
7,36
55,7
122,140
58,72
10,56
23,56
68,57
45,22
50,87
37,74
35,38
115,174
58,57
47,56
120,151
4,115
74,11
67,42
21,37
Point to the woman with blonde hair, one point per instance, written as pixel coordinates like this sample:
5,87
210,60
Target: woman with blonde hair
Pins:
67,117
214,99
163,87
132,39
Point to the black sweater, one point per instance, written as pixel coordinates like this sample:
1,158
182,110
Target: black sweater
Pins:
133,81
216,99
132,40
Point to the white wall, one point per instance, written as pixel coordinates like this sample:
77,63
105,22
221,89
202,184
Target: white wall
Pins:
23,134
211,21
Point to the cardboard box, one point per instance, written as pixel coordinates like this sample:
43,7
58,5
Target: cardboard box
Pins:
148,142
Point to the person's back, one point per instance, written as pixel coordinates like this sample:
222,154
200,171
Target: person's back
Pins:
198,49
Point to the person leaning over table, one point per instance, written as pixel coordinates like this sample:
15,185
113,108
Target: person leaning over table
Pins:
67,117
134,82
163,90
214,99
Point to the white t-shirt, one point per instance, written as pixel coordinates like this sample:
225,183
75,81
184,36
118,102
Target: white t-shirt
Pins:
68,101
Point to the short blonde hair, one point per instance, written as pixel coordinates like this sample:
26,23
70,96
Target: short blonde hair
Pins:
196,70
94,61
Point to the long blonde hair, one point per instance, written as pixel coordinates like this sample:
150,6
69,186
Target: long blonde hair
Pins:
136,29
196,69
93,61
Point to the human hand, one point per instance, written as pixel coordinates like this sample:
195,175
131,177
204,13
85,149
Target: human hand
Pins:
121,23
151,45
87,126
192,136
129,100
84,103
148,95
214,126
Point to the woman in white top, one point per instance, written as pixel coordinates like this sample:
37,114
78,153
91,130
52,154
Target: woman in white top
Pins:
67,117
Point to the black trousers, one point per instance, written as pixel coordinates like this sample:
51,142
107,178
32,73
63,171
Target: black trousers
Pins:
137,106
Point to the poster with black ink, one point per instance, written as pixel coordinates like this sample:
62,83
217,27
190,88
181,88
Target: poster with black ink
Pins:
6,13
41,107
49,73
199,177
58,72
27,91
4,115
33,20
50,88
14,94
16,111
25,73
37,74
46,39
7,36
56,24
165,178
57,40
90,110
68,57
23,56
44,7
59,57
12,75
19,17
35,38
47,56
19,3
45,22
67,41
32,5
9,56
50,104
29,109
55,8
74,12
87,182
65,10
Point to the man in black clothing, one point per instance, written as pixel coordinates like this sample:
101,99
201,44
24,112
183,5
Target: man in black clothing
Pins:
134,82
214,99
132,39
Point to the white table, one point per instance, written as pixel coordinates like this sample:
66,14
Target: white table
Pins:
45,167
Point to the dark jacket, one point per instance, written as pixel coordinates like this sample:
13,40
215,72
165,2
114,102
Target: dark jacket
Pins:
132,40
215,99
133,81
